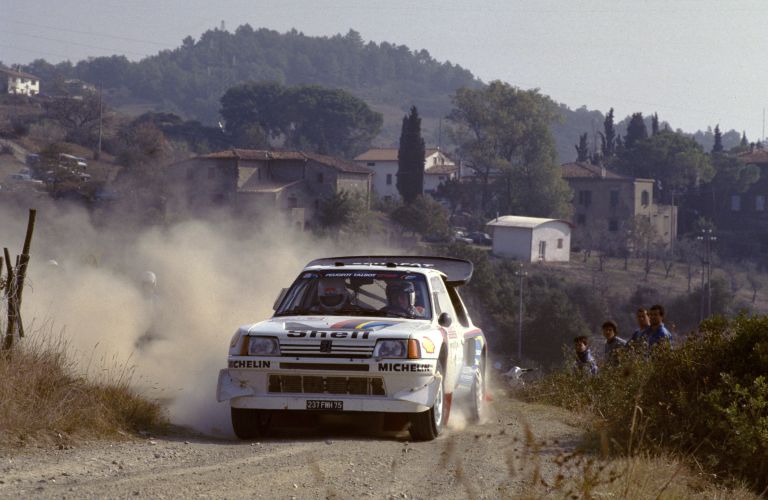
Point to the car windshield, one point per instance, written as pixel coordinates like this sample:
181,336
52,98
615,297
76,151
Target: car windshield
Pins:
358,293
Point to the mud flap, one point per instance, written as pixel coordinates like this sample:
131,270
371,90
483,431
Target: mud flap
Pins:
463,388
424,395
227,388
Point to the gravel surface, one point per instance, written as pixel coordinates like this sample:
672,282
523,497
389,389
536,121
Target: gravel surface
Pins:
335,459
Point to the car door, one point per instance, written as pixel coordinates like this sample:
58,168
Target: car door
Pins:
452,333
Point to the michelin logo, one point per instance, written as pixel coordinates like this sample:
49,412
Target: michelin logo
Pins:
405,367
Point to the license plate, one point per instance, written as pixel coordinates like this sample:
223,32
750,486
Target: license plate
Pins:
317,404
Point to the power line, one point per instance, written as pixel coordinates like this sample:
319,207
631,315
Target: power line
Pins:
92,33
103,49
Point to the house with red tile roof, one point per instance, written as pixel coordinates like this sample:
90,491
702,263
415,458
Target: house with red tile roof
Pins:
605,204
438,168
252,182
18,82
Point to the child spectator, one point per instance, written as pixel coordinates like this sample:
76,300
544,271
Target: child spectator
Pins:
613,343
585,362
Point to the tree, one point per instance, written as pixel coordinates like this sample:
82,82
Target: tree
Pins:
609,136
337,211
79,117
744,142
655,124
582,148
675,160
326,121
503,133
636,131
410,158
718,146
424,216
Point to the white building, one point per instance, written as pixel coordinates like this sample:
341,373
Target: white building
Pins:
17,82
531,239
438,168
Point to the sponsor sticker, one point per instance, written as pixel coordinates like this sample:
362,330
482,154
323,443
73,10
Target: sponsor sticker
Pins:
405,367
249,363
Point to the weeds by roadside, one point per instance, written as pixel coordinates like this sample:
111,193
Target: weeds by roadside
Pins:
43,399
706,400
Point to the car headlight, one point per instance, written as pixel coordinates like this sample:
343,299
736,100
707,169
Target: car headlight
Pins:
391,349
263,346
398,348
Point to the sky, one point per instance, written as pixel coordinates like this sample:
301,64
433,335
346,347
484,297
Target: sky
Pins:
696,63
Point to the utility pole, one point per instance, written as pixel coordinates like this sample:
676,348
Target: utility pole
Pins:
707,236
522,274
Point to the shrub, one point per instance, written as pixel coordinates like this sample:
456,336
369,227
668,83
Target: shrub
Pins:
707,397
42,398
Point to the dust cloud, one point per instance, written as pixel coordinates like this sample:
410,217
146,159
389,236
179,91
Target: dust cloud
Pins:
212,276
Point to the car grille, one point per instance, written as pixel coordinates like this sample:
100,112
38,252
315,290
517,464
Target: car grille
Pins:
326,349
313,384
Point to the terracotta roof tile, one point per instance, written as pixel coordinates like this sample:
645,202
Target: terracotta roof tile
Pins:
584,170
18,74
755,156
441,169
338,164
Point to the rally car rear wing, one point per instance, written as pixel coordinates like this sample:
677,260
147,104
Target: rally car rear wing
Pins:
457,271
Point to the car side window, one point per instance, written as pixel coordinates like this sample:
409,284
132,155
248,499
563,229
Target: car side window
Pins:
458,305
441,299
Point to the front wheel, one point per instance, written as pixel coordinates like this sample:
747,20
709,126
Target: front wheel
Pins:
427,425
477,402
250,424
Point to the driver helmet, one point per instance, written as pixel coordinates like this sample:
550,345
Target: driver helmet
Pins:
396,289
148,279
332,293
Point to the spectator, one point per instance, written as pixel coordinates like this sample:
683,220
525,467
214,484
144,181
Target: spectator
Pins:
643,323
657,333
585,362
613,343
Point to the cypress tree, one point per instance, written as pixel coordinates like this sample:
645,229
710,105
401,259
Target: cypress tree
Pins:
744,141
718,146
582,148
609,137
410,158
636,131
655,124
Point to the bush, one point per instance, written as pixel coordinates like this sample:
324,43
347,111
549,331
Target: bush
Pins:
707,398
42,398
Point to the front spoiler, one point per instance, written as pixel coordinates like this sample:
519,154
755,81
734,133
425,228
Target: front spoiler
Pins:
241,395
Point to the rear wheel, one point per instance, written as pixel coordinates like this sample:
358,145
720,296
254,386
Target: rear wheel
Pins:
427,425
250,424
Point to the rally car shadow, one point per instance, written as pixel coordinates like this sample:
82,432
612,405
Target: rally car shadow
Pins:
321,425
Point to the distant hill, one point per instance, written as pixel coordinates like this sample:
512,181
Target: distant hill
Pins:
191,79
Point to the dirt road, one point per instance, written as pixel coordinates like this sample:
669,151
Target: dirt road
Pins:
334,460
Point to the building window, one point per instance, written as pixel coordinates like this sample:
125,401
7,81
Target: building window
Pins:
211,172
759,203
614,198
387,198
585,198
559,243
320,177
735,203
389,179
581,219
371,163
645,198
293,202
613,225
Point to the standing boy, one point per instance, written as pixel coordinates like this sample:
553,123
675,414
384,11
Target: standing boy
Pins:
613,343
585,362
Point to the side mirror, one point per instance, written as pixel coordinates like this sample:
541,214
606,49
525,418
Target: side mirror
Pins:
279,299
444,319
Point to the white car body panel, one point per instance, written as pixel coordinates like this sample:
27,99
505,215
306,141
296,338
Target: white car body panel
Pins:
330,359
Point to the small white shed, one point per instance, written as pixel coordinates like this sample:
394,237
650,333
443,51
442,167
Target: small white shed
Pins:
531,239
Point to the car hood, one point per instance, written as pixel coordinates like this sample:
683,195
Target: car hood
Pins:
336,327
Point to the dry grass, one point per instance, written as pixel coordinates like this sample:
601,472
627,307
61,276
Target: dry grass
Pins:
42,399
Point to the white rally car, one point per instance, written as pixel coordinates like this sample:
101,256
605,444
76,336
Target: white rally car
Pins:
385,334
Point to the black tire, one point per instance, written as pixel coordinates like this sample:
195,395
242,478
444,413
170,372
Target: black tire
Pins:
477,402
250,424
427,425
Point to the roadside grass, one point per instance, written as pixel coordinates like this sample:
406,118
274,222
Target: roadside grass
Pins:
705,403
43,400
